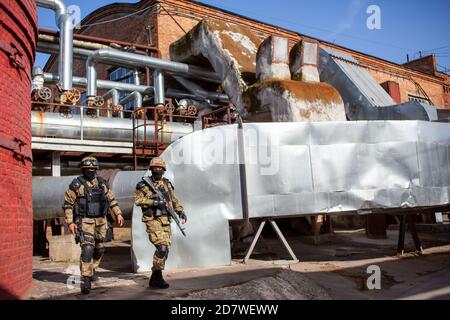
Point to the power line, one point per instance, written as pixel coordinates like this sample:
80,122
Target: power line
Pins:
435,49
316,28
117,19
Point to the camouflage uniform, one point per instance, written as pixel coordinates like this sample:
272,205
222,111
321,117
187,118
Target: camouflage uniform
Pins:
158,228
94,228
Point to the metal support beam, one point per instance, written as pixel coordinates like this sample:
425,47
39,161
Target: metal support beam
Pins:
56,164
280,236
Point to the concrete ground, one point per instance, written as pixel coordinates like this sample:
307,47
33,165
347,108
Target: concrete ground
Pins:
334,269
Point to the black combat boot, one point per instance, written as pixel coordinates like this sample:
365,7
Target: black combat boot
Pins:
86,285
157,280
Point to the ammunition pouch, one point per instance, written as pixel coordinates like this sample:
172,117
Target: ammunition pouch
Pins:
154,213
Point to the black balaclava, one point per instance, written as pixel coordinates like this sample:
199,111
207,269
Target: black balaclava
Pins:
157,174
89,174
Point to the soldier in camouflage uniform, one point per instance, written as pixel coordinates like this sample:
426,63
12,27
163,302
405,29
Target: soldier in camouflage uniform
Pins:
88,210
157,219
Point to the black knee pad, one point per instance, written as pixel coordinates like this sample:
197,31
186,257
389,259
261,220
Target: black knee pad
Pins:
162,251
98,253
87,252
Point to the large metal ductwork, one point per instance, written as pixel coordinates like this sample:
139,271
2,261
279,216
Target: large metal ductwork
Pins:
49,124
136,60
64,23
48,193
297,169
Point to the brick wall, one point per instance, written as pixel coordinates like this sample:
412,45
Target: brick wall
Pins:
16,226
411,86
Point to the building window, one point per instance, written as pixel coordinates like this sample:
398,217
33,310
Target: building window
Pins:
446,90
126,76
419,99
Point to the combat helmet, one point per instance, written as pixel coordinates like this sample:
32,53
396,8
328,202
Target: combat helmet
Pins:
89,163
157,162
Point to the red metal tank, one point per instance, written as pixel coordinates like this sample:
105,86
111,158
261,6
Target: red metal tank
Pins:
18,36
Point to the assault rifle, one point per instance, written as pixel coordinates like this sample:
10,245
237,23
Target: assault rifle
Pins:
168,208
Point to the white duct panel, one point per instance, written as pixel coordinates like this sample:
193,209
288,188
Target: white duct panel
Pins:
357,167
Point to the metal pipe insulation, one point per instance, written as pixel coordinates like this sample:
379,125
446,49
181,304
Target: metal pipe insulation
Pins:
64,23
86,39
48,47
137,80
158,83
136,60
78,44
199,92
136,96
121,86
53,125
103,84
114,95
48,193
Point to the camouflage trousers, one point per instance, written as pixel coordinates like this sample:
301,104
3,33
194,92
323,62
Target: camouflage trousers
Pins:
94,236
159,233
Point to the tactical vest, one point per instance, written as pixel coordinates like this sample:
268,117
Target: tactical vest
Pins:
94,203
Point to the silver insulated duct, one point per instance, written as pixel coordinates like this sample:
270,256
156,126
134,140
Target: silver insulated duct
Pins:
48,124
48,193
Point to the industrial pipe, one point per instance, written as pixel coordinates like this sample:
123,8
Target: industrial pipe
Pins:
114,95
64,23
48,193
82,39
136,96
48,47
121,86
201,93
53,125
158,83
136,60
104,84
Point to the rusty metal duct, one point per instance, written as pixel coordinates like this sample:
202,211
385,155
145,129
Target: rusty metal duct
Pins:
276,97
64,23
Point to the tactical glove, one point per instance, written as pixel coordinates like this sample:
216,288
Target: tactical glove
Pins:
182,215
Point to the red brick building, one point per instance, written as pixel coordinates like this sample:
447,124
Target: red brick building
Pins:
161,22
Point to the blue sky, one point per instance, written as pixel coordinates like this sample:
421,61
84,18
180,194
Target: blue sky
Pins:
407,26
